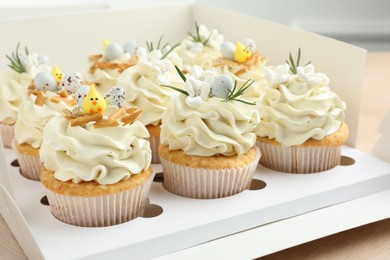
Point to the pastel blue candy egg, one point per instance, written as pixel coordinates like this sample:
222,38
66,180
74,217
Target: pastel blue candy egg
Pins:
221,86
131,47
44,81
227,50
71,81
113,52
115,97
250,44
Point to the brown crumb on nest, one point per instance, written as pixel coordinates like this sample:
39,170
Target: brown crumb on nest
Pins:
121,115
97,64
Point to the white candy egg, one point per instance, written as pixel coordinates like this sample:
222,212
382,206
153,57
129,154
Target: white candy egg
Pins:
45,81
131,47
250,44
115,97
81,93
221,86
227,50
43,59
71,82
113,52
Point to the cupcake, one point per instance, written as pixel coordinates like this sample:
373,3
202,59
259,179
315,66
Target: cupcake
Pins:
207,141
42,101
14,81
242,61
200,48
104,69
143,86
302,124
96,168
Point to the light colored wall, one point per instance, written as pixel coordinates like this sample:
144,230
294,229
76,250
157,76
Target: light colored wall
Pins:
365,23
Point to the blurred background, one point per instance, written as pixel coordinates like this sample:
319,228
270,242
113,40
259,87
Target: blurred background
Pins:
360,22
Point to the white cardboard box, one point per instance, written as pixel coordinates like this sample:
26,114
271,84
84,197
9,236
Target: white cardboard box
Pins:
186,223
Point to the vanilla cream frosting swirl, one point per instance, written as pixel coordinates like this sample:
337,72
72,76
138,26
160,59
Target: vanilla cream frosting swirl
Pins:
142,84
32,118
299,107
12,85
213,128
105,155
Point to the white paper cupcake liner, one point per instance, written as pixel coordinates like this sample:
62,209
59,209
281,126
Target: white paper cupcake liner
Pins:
7,134
100,211
299,159
154,144
202,183
30,166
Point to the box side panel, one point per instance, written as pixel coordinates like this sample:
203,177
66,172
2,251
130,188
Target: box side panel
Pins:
69,39
343,63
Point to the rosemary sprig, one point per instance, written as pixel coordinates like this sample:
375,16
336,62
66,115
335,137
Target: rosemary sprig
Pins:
177,89
150,47
294,65
15,62
196,37
181,74
233,95
170,50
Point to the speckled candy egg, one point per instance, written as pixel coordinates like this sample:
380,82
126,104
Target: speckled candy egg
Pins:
131,47
81,93
250,44
45,81
113,51
115,97
227,50
71,82
221,86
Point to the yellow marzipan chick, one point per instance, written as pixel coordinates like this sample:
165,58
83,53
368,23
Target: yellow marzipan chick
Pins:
94,102
57,74
242,53
105,43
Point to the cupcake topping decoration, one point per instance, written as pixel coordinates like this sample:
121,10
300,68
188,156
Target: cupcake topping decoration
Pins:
113,51
71,81
165,49
57,74
45,81
131,47
80,95
26,63
242,53
240,56
200,85
115,97
295,64
114,57
206,37
93,102
15,60
121,116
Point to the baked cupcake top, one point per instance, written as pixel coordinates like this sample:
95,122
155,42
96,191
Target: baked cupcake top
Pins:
15,79
43,100
143,81
209,119
105,68
91,146
298,105
200,48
